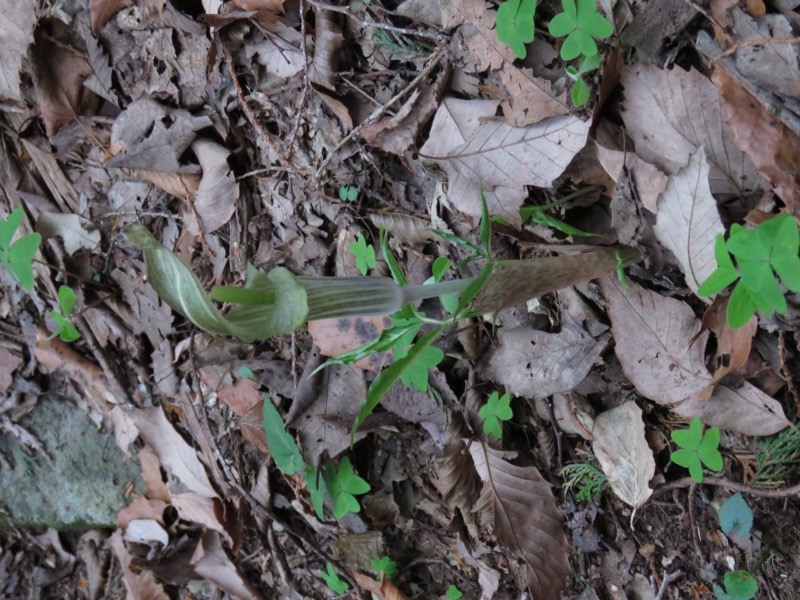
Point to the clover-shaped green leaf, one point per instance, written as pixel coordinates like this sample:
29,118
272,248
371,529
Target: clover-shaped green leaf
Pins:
348,193
385,567
453,593
735,516
331,579
740,585
17,258
581,23
281,444
416,372
364,253
343,484
697,449
496,409
66,331
515,24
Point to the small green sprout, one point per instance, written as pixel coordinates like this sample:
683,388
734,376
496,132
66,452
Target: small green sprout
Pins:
623,278
697,449
65,330
331,579
580,91
348,193
17,258
735,516
585,478
740,585
342,486
496,409
364,253
515,24
385,567
453,593
581,23
762,254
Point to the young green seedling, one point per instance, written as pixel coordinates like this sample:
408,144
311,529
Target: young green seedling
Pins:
515,24
331,579
17,258
581,23
65,330
453,593
740,585
580,91
348,193
342,486
364,253
496,409
385,568
735,516
762,254
697,449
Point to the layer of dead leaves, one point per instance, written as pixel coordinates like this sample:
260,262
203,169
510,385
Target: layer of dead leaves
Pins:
230,127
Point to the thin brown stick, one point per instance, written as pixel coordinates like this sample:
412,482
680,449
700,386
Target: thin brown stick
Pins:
732,486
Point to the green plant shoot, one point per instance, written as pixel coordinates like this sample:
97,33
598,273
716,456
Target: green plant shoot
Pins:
17,258
740,585
364,253
580,91
331,579
515,24
735,516
343,484
585,478
762,255
581,24
384,567
65,330
348,193
697,449
453,593
496,409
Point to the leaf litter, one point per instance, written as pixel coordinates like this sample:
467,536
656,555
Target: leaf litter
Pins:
229,134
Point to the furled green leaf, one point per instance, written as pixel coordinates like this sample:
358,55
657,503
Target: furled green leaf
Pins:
580,95
281,444
735,516
315,482
66,331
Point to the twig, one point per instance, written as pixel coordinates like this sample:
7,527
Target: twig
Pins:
732,486
406,30
345,10
304,95
668,578
556,433
378,113
693,520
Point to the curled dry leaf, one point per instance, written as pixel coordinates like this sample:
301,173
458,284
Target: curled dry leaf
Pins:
626,459
474,147
649,180
526,520
216,197
656,343
733,345
458,480
688,221
329,40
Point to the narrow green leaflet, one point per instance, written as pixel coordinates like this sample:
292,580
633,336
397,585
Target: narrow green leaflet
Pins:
281,444
394,268
538,216
515,24
387,340
331,579
343,485
315,482
496,409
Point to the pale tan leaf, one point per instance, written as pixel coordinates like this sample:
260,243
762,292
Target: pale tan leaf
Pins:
17,20
77,233
473,147
410,229
329,38
177,457
669,114
140,585
271,6
199,509
212,563
745,409
537,364
526,520
655,345
620,446
529,99
688,221
649,180
216,197
280,52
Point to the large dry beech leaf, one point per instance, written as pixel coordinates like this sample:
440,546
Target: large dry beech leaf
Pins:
537,364
669,114
474,147
688,221
655,345
526,519
620,446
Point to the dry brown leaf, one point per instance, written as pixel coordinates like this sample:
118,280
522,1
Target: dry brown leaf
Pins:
140,584
203,510
103,10
329,38
216,197
649,180
733,345
745,409
337,336
669,114
76,232
410,229
101,82
772,146
458,481
688,221
177,457
212,563
526,520
280,52
536,364
154,485
270,6
8,364
17,20
620,446
473,147
338,108
655,343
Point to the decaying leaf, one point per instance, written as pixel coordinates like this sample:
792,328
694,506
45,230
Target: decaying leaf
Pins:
329,40
472,146
216,197
649,180
103,10
17,20
77,233
458,480
337,336
654,342
620,446
526,520
212,563
537,364
733,345
669,114
280,52
688,221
